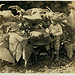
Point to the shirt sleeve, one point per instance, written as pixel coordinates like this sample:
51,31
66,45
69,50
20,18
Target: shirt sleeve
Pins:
19,38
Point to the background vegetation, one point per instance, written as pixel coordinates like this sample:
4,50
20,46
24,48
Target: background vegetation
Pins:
61,6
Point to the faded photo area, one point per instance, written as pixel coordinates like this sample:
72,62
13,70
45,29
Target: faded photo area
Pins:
37,37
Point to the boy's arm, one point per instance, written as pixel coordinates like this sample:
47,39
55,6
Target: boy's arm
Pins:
20,38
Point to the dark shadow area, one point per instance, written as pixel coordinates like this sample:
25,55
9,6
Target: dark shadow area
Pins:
54,5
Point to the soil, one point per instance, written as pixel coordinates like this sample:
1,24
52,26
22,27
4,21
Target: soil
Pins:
44,65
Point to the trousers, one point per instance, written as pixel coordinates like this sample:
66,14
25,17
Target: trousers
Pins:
55,43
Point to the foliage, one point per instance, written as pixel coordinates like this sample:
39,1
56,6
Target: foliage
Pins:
54,5
19,17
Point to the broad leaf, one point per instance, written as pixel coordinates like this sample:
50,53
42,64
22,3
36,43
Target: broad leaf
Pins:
27,51
5,55
18,52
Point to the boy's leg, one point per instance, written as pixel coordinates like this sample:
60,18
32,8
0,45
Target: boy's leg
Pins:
57,47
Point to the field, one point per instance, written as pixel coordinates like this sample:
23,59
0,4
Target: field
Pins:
44,65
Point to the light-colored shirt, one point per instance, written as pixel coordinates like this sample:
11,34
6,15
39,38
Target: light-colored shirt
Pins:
56,30
14,39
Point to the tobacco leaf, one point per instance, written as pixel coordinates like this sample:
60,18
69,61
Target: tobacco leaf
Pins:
18,52
27,51
5,55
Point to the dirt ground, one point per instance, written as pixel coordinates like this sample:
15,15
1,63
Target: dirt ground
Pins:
44,65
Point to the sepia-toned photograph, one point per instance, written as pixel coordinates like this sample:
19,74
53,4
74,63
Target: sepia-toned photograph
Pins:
37,37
